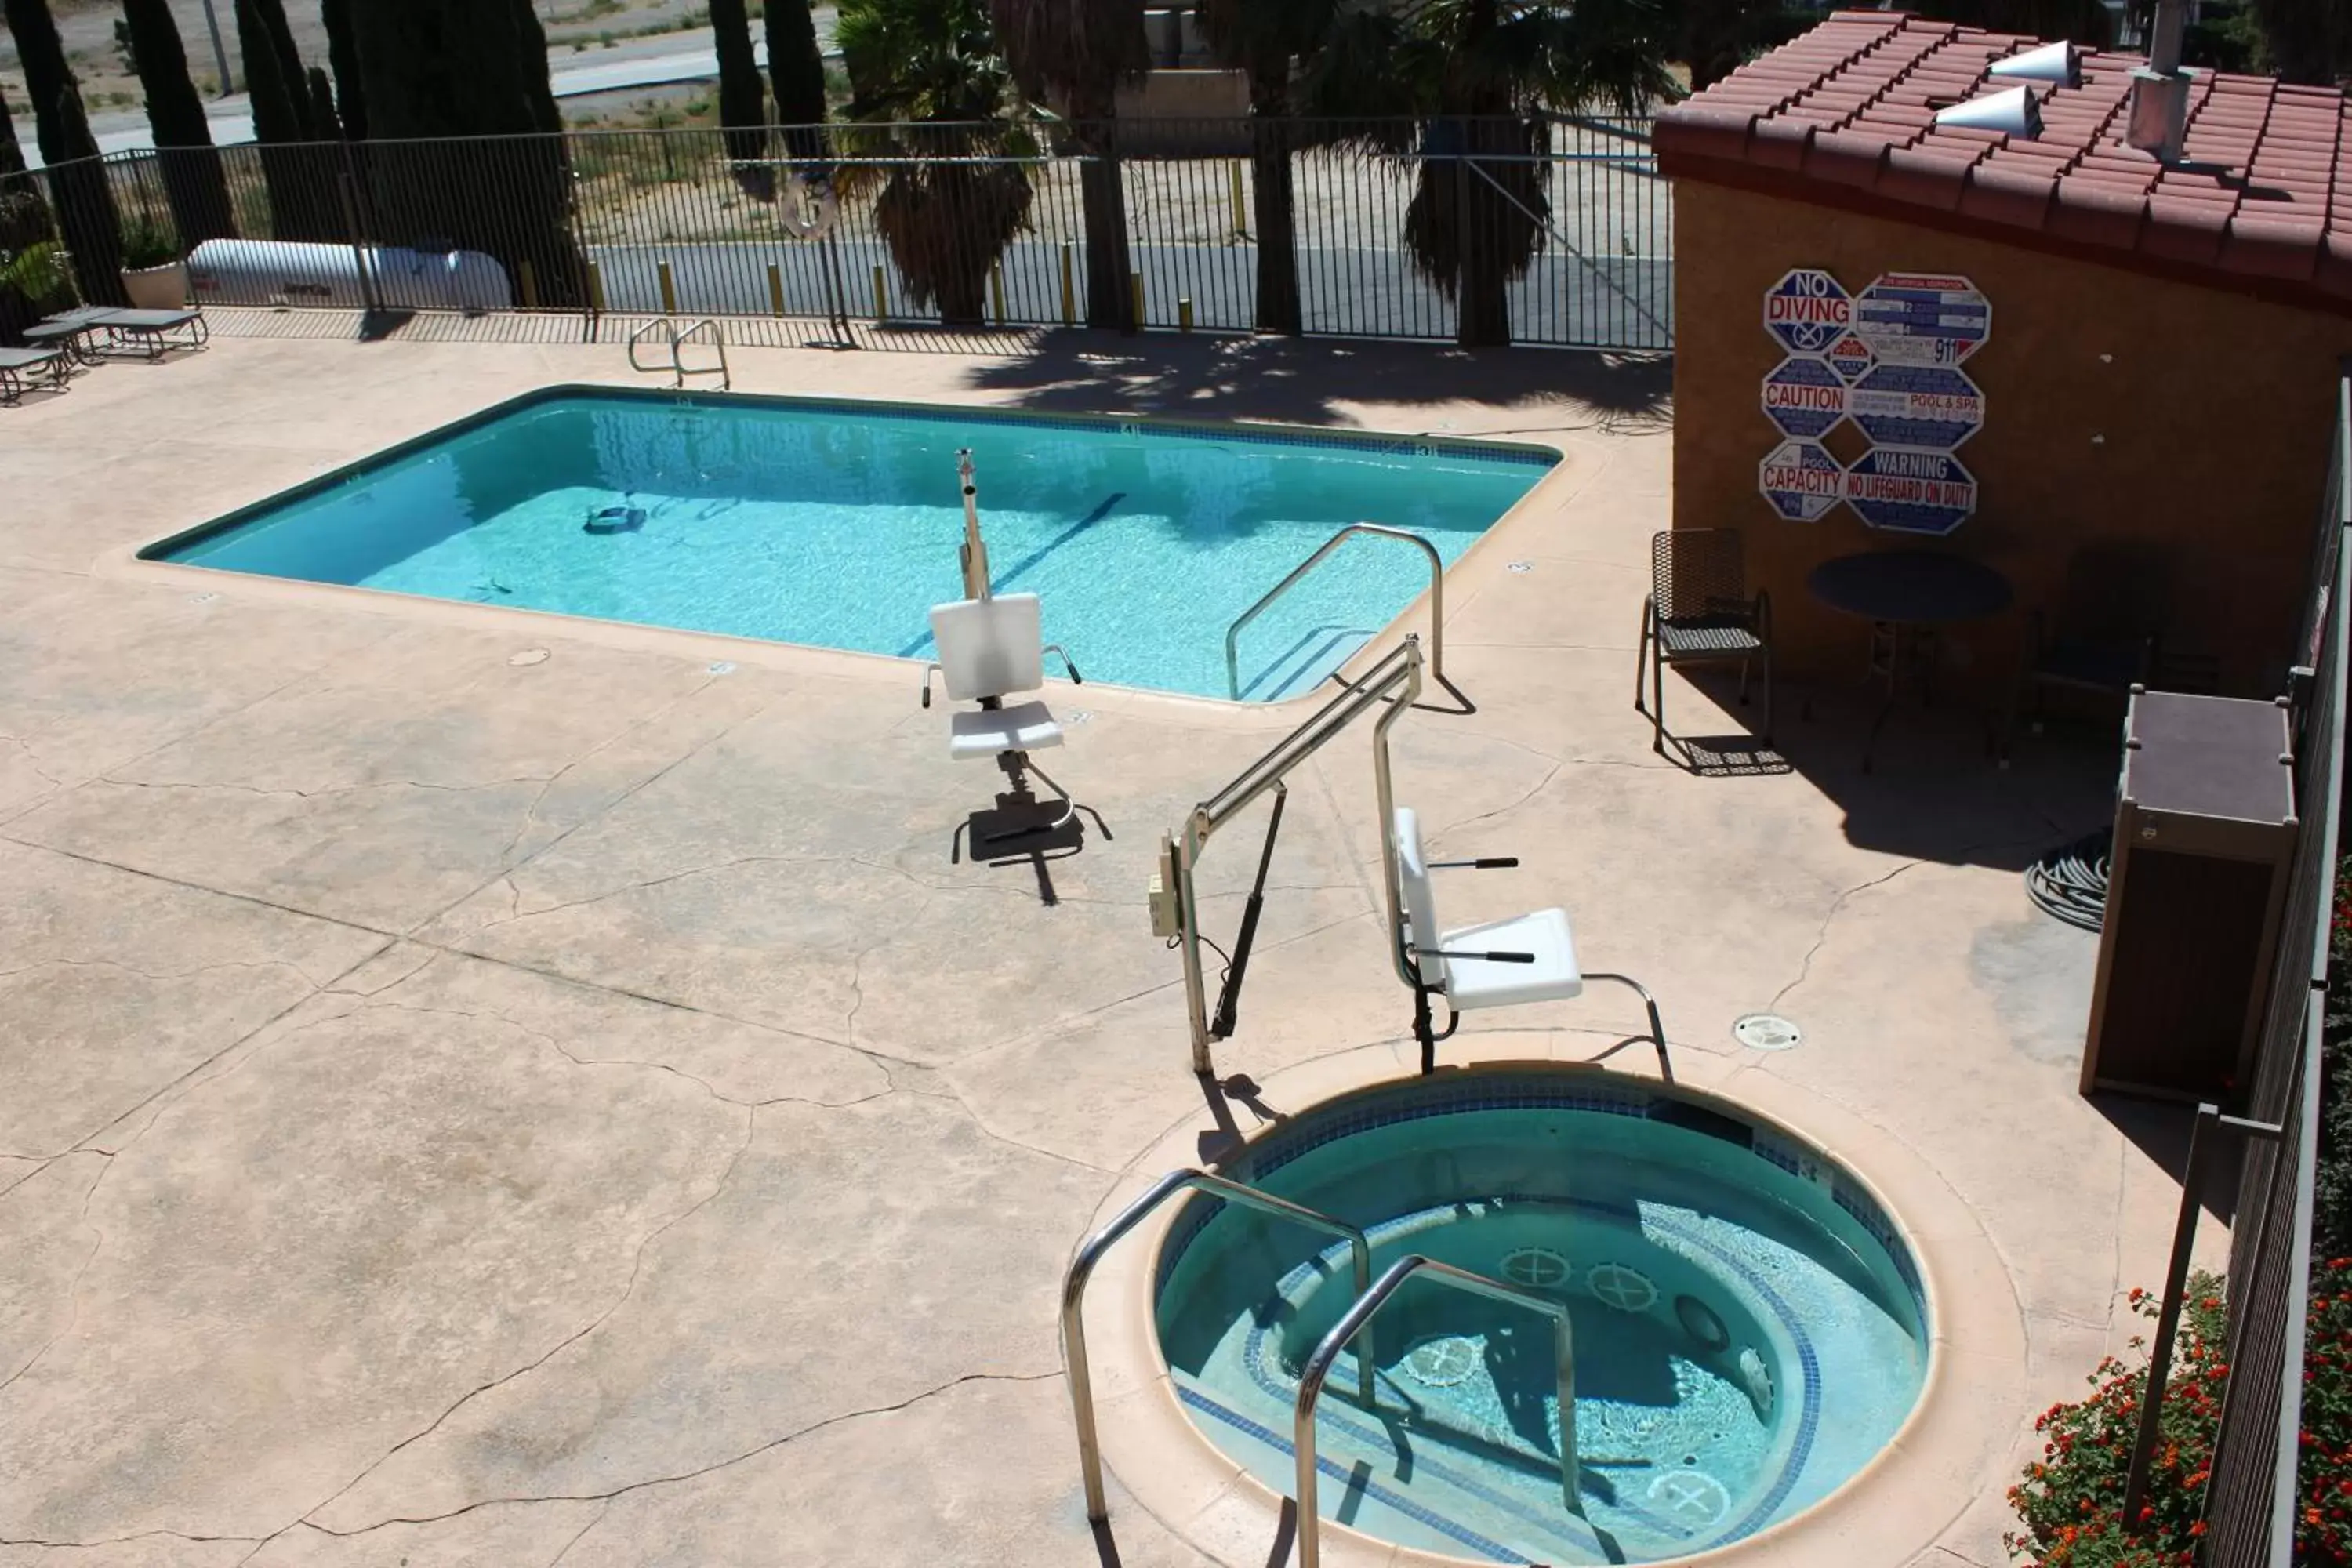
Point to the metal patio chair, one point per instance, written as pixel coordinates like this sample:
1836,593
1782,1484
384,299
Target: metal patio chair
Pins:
1699,612
2106,636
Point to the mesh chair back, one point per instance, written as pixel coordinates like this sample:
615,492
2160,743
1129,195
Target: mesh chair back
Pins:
2116,595
1420,900
1698,572
989,647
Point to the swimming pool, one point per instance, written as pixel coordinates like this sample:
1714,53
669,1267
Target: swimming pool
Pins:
1750,1327
837,523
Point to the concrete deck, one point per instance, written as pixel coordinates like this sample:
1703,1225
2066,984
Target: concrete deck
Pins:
478,1087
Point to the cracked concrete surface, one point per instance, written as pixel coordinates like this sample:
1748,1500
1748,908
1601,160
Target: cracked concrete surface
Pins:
458,1108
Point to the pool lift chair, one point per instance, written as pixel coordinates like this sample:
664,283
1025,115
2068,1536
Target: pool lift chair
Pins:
1499,964
989,648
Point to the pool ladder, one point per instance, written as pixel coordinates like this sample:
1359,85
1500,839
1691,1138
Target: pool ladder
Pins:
1322,552
1354,1325
676,339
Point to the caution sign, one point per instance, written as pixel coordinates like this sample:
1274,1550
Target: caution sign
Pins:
1808,311
1850,357
1922,318
1908,491
1804,396
1801,480
1917,405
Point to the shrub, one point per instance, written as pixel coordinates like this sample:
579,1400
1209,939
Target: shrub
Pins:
2071,1501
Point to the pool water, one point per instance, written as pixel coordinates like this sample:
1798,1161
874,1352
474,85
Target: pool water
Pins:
1750,1327
839,524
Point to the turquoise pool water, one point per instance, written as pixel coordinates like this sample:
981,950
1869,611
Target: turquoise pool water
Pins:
1749,1326
837,524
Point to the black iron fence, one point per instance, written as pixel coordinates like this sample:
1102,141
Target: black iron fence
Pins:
2250,1496
1552,232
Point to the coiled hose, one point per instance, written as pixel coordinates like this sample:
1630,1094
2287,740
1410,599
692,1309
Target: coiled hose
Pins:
2070,883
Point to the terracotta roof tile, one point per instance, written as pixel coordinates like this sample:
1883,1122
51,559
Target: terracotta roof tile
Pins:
1852,105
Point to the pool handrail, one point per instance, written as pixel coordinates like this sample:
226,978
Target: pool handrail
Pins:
1436,598
1358,1318
1090,1252
677,341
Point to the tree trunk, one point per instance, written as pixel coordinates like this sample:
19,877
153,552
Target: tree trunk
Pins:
742,96
326,125
1273,211
344,58
84,200
797,71
12,156
194,183
1482,308
42,57
1110,296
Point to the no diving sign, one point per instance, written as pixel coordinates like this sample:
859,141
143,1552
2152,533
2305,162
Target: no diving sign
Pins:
1908,491
1808,311
1800,479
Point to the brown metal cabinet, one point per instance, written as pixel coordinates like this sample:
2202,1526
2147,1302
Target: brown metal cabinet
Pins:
2204,835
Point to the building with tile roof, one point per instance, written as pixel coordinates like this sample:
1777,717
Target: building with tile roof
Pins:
2164,339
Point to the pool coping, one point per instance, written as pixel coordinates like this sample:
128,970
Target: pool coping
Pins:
141,560
1953,1448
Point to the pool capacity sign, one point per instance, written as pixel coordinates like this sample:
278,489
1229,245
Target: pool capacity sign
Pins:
1886,360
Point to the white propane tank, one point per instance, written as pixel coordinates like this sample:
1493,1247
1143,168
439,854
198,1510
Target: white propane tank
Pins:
274,271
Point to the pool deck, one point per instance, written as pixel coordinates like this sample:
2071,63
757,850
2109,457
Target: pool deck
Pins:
483,1088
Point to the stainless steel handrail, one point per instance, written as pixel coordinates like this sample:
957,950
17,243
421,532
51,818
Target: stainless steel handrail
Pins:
1436,598
1090,1252
1358,1317
677,340
1395,680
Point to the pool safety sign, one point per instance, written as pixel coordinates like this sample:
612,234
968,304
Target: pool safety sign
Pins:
1808,311
1910,490
1922,318
1886,360
1916,405
1802,480
1805,397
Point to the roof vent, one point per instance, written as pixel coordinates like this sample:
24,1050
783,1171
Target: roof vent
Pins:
2056,63
2014,113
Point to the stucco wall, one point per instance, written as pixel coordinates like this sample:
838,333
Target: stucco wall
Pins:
2118,406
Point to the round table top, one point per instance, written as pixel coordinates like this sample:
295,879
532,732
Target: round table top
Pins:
1914,586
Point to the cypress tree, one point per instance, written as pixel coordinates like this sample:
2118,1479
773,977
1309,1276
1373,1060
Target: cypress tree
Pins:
302,204
433,68
325,124
797,71
42,54
84,200
742,96
193,182
280,115
343,55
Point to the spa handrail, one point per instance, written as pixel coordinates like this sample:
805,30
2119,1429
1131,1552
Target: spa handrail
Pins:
1359,1318
1436,598
1090,1252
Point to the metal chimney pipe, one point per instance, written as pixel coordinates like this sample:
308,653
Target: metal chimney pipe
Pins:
2159,101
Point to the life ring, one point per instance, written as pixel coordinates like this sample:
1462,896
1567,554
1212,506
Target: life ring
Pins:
805,206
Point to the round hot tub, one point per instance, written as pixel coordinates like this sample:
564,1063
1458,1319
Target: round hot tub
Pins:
1749,1325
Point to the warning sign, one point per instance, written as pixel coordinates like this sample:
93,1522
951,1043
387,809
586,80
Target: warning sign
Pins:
1850,357
1804,396
1808,311
1917,405
1908,491
1800,479
1922,318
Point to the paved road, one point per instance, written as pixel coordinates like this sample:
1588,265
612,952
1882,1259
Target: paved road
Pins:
616,71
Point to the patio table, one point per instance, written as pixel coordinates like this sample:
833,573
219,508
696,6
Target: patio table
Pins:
1905,596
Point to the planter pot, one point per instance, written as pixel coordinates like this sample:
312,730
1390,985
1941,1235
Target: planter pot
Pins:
163,288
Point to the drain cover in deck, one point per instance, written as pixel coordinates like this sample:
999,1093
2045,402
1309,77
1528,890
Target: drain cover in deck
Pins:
1766,1032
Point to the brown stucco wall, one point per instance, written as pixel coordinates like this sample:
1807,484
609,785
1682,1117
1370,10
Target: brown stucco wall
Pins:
2118,407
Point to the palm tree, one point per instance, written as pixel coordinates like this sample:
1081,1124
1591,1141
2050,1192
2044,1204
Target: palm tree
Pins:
1262,39
1075,54
1474,78
928,76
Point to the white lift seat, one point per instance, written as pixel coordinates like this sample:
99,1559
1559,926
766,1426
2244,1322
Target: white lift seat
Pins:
988,650
988,732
